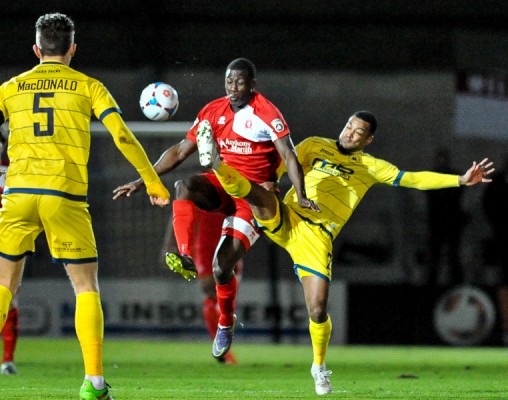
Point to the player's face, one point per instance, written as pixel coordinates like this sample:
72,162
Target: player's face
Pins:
239,88
355,135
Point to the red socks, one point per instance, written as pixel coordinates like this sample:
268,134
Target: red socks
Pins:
184,221
10,334
211,315
226,296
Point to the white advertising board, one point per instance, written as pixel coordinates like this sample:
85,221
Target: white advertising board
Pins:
173,309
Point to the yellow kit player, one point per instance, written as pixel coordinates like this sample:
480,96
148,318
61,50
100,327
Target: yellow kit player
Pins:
49,109
337,174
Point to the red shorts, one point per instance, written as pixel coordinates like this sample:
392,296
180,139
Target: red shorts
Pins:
208,234
239,222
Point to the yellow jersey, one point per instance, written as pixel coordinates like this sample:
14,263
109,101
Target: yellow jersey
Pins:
49,109
337,182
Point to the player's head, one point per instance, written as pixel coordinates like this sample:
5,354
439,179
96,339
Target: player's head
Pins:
358,132
242,64
368,117
240,82
54,35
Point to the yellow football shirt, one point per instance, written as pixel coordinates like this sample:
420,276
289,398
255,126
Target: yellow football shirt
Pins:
338,182
49,109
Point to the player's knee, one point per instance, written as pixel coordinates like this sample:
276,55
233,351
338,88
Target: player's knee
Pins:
318,313
208,286
186,188
181,190
223,273
218,272
198,190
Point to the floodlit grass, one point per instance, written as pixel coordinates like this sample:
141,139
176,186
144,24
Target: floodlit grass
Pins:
155,369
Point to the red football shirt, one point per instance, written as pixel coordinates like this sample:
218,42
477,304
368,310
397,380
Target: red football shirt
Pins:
245,138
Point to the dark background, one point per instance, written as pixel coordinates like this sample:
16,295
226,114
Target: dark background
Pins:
281,34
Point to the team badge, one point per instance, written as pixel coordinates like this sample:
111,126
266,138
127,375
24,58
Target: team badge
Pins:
277,125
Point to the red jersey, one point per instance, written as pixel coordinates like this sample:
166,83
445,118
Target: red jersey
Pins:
245,138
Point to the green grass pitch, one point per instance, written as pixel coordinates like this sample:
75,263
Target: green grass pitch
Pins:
157,369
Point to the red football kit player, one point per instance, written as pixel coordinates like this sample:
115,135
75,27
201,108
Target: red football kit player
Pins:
245,139
252,136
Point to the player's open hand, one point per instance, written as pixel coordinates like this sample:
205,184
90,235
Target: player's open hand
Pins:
308,203
478,173
127,189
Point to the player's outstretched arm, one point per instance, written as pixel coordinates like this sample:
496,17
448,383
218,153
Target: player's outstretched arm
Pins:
168,161
478,173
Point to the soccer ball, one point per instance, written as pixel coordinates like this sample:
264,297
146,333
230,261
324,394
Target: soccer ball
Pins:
159,101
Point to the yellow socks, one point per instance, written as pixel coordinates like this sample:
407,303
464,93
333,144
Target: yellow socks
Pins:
232,182
89,321
5,300
320,337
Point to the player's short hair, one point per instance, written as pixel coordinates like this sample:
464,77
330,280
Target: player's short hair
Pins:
367,116
54,34
242,64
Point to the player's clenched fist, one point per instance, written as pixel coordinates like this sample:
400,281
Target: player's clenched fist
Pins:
159,195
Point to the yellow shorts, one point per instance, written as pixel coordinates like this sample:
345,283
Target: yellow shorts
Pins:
308,245
67,223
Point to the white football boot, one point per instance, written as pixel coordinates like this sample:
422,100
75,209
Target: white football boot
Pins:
207,148
321,379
